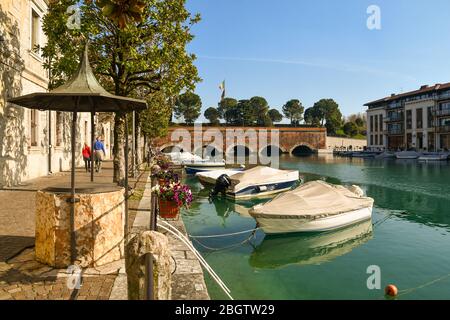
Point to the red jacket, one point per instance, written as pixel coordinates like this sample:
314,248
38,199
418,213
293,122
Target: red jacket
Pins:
86,152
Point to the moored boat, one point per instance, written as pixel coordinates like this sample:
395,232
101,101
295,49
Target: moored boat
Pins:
407,155
433,156
202,166
256,182
313,207
210,177
385,155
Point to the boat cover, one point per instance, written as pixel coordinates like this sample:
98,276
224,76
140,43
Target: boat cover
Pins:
262,175
313,200
217,173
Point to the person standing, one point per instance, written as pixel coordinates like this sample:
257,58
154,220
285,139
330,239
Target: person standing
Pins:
99,152
87,157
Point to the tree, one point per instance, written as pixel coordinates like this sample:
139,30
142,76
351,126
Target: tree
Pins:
350,129
260,107
134,52
227,104
327,111
311,117
248,113
293,110
188,106
275,115
213,115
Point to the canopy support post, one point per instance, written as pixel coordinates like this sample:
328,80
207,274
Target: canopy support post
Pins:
73,241
92,144
126,177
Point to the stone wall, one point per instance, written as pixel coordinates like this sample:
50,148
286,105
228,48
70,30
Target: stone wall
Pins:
99,228
336,142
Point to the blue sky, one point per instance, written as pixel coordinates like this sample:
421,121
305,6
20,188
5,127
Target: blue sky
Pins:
319,49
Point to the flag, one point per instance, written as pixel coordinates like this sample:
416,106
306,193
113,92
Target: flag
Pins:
222,87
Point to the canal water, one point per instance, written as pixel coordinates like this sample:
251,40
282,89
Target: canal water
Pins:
408,237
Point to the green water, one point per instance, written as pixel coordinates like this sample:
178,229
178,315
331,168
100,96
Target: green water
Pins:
410,241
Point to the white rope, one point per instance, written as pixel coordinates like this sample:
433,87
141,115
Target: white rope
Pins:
195,251
223,235
180,236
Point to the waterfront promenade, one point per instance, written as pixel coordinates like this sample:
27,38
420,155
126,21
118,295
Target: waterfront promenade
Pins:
21,277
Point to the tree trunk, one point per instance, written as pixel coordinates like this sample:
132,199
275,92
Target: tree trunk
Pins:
138,146
118,150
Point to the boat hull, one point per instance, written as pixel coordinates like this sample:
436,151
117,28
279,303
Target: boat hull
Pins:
195,168
262,190
286,224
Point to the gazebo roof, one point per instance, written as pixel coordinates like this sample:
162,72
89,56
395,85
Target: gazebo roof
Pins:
84,87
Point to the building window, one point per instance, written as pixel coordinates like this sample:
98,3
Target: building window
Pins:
376,139
35,29
371,124
381,140
408,119
33,128
376,123
371,139
381,123
59,125
419,118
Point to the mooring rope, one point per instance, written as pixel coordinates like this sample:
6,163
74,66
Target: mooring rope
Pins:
408,291
226,248
175,232
224,235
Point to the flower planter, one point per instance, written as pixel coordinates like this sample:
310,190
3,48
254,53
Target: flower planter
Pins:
168,209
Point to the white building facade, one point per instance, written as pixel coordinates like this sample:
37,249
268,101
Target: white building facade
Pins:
33,143
418,120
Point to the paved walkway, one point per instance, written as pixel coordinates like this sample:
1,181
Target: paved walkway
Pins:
21,277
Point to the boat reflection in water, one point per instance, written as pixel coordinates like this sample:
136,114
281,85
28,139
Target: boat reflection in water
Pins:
308,249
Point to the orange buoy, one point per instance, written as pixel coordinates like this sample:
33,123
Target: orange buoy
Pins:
391,290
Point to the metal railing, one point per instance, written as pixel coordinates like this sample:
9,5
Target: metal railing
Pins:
443,129
394,118
444,112
394,131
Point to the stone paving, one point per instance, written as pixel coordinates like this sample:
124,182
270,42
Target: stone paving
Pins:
21,277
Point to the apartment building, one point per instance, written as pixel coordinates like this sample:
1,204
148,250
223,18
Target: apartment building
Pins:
418,120
33,143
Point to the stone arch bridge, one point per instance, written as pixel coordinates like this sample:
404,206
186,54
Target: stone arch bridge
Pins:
227,140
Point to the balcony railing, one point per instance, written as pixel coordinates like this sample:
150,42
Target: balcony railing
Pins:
444,112
443,129
396,105
394,118
394,131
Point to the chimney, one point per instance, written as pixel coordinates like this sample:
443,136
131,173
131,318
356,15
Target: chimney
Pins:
393,94
424,87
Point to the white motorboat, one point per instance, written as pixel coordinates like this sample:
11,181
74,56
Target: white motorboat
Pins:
433,156
309,249
407,155
260,181
313,207
181,157
193,167
210,177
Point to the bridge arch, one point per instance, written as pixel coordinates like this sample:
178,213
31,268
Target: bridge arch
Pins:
271,150
211,151
232,150
302,149
170,147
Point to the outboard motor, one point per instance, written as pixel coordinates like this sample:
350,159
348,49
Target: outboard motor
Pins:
222,184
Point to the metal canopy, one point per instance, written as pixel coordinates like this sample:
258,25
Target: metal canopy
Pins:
92,97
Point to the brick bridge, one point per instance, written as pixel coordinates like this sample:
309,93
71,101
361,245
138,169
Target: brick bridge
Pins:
227,140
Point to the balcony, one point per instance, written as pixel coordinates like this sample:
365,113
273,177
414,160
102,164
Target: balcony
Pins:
443,129
394,132
395,118
396,105
442,113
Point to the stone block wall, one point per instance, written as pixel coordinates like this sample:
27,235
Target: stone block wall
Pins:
99,228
